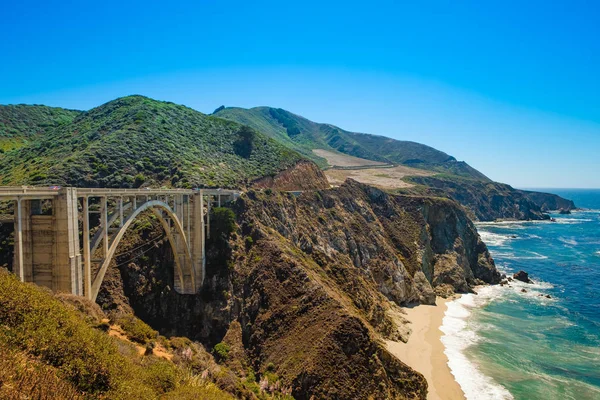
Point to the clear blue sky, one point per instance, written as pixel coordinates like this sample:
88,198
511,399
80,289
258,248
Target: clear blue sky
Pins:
511,87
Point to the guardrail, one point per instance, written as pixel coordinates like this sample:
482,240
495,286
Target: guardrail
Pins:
32,192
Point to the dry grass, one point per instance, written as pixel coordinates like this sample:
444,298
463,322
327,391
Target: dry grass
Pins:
343,160
384,178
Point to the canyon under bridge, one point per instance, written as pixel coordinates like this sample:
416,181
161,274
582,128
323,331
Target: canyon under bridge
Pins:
50,223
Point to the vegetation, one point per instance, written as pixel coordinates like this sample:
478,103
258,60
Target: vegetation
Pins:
20,124
136,141
136,329
222,223
245,142
303,136
222,351
48,350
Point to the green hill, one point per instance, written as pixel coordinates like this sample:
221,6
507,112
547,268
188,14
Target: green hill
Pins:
20,124
135,141
303,136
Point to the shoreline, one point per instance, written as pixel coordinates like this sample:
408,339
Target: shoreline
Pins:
424,351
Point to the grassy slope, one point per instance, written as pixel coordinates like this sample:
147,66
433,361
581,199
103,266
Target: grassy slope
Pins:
261,119
307,135
135,140
49,350
20,124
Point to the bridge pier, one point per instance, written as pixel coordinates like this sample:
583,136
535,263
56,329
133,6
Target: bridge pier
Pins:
47,246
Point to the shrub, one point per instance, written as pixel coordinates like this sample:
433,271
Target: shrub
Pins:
221,350
136,329
139,180
244,143
48,351
159,374
222,223
24,378
248,241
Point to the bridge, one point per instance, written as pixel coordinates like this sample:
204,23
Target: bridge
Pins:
51,222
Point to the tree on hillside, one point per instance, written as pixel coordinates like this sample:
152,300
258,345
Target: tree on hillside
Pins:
244,142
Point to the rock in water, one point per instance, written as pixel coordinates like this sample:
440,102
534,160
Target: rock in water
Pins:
522,276
564,211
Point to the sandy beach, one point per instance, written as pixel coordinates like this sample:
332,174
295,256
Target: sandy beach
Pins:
424,351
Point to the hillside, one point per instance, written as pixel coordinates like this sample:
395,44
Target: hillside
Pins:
136,141
21,124
392,164
304,136
59,347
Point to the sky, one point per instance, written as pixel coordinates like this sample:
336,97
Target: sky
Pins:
511,87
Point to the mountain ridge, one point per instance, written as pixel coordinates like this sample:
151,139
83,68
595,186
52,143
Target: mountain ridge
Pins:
308,135
135,141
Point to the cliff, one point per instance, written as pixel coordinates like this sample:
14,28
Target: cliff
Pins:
305,287
548,201
305,175
486,201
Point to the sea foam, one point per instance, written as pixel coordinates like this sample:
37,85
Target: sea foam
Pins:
458,336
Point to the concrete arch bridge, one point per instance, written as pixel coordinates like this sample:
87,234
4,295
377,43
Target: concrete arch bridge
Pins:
50,221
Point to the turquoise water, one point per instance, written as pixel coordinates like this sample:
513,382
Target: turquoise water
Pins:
505,343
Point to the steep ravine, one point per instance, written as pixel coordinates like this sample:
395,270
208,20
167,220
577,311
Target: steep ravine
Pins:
307,286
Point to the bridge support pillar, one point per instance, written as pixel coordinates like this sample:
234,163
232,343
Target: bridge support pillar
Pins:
198,238
67,275
47,246
23,253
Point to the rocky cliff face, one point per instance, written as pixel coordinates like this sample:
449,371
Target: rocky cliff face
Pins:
548,201
306,286
390,239
487,201
305,175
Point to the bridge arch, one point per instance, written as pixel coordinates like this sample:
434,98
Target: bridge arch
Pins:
157,207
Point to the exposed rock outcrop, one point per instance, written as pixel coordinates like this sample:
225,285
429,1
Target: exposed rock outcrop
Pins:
522,276
489,201
307,286
305,175
549,202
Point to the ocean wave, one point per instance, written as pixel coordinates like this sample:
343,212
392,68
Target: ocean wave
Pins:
506,224
494,239
458,336
460,333
569,241
512,256
571,221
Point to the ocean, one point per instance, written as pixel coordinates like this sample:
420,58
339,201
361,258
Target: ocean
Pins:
514,342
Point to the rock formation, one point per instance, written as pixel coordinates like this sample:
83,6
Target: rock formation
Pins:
307,285
522,276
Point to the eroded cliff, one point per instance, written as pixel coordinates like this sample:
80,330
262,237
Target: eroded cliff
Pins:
305,175
306,286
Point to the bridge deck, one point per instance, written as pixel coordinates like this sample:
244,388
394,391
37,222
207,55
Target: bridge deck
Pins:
40,193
